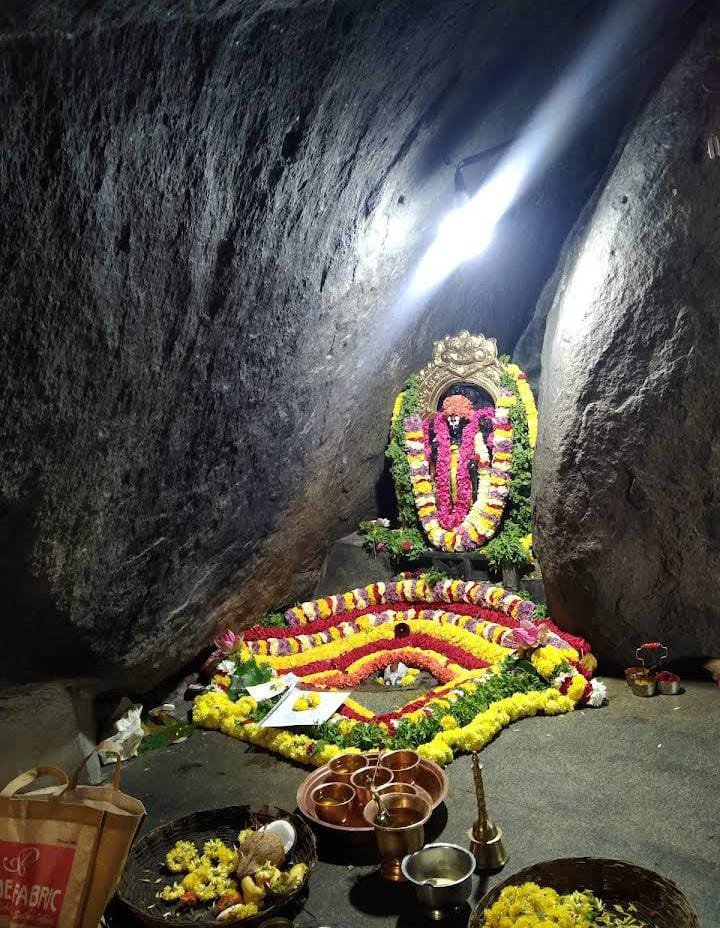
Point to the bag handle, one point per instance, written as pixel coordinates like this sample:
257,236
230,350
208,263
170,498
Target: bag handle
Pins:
25,779
107,748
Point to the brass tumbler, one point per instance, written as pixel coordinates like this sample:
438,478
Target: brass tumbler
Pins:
399,830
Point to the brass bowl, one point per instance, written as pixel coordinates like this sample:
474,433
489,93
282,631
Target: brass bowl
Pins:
403,764
344,766
401,836
333,801
366,779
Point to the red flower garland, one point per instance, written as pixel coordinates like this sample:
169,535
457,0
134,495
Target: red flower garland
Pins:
420,641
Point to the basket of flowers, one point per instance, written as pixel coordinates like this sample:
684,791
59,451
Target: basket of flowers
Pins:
585,892
229,865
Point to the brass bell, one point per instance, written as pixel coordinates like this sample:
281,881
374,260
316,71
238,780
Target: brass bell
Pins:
486,844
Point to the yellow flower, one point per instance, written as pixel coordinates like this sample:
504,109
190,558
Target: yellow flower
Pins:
448,722
220,855
548,658
577,687
183,856
171,893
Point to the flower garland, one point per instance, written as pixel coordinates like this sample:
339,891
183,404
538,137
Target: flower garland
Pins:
528,401
483,517
472,445
476,644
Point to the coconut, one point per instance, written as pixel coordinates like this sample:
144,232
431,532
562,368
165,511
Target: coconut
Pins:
257,850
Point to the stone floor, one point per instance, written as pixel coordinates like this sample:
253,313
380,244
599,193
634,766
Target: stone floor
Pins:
636,780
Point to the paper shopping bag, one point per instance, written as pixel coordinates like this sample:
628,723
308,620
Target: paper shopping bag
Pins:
62,849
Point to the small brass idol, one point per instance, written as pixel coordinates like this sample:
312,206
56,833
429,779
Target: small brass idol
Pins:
486,844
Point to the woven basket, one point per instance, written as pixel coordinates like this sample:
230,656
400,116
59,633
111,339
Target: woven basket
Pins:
658,900
147,857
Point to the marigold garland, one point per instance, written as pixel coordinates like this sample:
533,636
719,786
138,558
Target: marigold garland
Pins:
473,637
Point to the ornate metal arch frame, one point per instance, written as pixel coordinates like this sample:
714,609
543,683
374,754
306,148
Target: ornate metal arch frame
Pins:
462,357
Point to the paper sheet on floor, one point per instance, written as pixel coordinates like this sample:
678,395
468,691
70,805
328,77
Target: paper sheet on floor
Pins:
273,687
284,716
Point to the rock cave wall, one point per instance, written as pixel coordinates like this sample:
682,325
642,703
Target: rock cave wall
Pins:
208,214
628,458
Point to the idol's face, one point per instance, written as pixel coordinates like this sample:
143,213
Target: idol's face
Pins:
454,421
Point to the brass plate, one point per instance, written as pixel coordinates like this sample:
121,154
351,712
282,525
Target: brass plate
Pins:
432,779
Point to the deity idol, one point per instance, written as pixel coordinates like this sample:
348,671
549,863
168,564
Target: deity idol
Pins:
458,456
458,451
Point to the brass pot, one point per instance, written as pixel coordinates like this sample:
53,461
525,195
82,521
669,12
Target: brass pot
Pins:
400,830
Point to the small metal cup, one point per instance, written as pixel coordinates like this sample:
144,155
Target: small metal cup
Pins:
344,766
668,687
366,779
442,876
391,788
395,841
334,812
643,686
403,764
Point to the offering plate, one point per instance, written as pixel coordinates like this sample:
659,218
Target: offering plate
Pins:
431,784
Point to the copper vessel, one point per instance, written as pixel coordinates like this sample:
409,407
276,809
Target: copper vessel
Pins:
403,764
344,766
333,802
396,841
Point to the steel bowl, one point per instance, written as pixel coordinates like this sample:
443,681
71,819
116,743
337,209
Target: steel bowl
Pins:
668,687
442,876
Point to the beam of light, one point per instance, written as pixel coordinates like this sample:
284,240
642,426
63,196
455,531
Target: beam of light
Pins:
468,230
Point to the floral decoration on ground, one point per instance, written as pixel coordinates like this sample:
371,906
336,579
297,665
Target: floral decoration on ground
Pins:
495,661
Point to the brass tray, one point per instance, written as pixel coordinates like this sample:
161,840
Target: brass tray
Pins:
432,780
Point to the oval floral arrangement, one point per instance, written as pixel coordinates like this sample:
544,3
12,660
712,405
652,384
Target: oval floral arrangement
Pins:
495,661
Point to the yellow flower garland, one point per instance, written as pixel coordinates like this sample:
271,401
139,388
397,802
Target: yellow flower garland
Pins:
528,401
214,710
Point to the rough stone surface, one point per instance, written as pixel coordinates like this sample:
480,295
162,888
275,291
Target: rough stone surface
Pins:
207,213
47,724
628,458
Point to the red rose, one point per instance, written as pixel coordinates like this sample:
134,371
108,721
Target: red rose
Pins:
407,546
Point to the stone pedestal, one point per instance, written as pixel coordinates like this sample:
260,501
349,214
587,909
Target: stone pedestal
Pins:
349,565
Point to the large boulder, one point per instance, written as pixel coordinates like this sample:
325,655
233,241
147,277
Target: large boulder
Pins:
627,471
208,211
